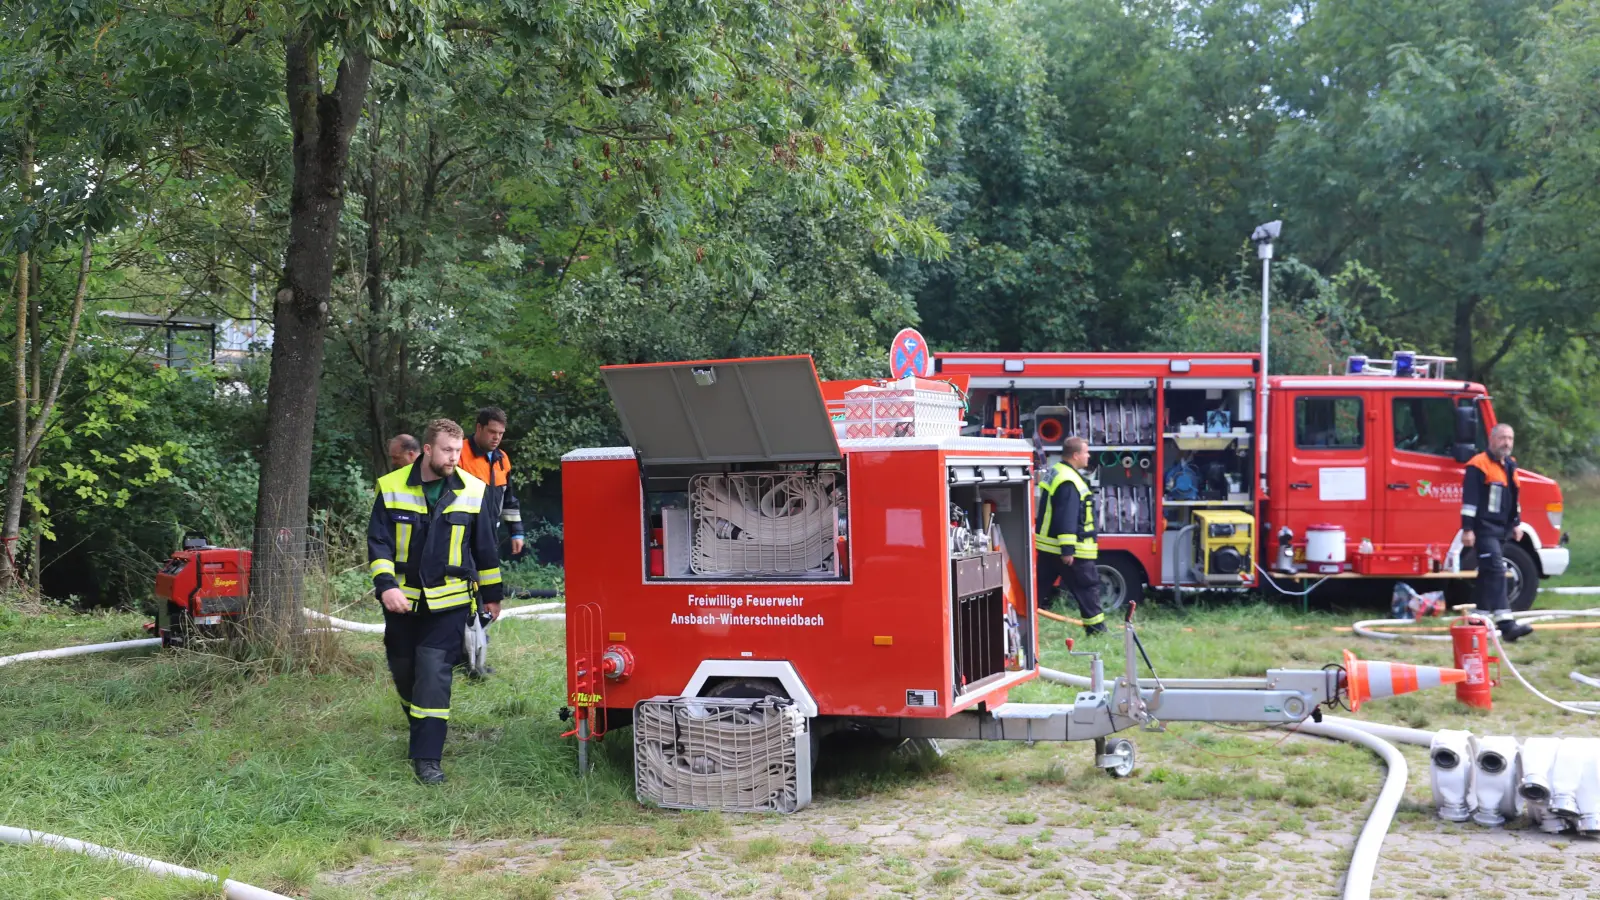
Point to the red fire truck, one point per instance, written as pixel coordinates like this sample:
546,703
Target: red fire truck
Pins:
1206,480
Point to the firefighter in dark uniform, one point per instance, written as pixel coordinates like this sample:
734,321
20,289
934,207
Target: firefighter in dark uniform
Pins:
1490,517
1064,537
433,557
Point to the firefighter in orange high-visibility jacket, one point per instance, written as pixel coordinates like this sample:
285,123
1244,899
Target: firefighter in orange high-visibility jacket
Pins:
1489,517
1064,537
433,557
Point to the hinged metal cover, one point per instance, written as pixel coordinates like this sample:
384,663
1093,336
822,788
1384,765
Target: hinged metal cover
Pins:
723,411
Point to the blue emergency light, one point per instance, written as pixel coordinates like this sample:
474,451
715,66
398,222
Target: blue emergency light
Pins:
1405,364
1355,365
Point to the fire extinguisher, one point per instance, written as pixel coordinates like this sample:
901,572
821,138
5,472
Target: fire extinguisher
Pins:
1470,637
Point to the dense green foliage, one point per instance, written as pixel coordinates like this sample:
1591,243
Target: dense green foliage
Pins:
534,191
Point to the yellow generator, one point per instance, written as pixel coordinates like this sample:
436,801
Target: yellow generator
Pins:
1223,542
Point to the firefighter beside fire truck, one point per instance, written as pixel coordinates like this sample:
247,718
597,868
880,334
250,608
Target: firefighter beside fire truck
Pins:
433,556
1490,515
1064,538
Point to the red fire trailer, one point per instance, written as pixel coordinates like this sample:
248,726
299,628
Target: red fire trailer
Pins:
740,581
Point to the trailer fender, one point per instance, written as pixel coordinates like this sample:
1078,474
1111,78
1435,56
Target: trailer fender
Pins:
780,671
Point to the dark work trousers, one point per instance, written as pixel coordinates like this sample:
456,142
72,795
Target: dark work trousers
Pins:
1491,587
422,648
1081,579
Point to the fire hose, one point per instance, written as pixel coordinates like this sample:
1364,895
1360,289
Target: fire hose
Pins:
232,890
744,752
81,650
536,611
1370,628
758,523
1364,860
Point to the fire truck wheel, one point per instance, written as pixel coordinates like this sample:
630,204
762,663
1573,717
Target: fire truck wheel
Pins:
1121,580
1523,586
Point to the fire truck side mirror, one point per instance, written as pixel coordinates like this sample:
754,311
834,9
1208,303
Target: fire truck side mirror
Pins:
1464,452
1466,423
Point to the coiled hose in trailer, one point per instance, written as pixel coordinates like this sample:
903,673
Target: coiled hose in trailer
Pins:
1364,860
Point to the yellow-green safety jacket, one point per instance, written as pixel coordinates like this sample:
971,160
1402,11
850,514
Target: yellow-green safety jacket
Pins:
1066,518
433,557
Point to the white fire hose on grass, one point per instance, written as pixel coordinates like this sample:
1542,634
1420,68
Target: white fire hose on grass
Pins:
536,611
232,890
1364,860
81,650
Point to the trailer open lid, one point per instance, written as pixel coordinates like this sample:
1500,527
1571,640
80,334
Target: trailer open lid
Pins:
723,411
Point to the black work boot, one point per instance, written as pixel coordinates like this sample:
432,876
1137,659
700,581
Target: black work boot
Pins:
1511,629
1092,630
428,771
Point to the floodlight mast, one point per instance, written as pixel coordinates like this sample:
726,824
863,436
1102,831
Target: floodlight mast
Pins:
1263,237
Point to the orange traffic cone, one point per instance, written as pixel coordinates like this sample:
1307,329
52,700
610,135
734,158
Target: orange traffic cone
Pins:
1371,680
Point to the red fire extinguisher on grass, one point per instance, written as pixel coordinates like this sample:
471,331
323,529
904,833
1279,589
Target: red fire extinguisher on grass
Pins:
1470,637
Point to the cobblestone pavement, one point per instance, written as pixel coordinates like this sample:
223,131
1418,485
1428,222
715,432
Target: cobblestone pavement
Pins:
937,840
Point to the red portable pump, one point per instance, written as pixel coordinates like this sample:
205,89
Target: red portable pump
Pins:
1470,637
200,585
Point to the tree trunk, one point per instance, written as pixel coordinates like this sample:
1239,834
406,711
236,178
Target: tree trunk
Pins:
1462,345
30,435
35,364
377,326
322,125
17,485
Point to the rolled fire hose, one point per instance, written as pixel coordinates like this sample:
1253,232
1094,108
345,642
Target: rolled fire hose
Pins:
232,890
82,650
742,753
1364,861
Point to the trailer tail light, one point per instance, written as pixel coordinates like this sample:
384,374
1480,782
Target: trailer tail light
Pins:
1553,511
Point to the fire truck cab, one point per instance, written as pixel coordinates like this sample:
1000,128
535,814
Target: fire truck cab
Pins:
1205,480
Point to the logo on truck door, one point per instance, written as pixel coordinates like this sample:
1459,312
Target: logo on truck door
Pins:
1444,493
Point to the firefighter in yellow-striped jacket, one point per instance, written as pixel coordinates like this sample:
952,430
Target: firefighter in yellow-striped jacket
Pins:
1064,537
433,555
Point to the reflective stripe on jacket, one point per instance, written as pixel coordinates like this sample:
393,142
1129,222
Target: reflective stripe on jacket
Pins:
1066,521
433,557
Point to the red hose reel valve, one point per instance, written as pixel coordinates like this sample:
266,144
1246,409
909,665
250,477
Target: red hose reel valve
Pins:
617,662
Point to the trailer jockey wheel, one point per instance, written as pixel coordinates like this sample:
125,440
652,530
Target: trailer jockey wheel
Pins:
1118,758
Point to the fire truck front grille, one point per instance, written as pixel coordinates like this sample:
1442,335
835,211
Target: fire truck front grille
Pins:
722,754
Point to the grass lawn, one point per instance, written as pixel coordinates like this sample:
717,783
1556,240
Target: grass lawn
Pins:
273,779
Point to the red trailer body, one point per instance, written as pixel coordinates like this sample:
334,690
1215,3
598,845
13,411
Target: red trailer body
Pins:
888,628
